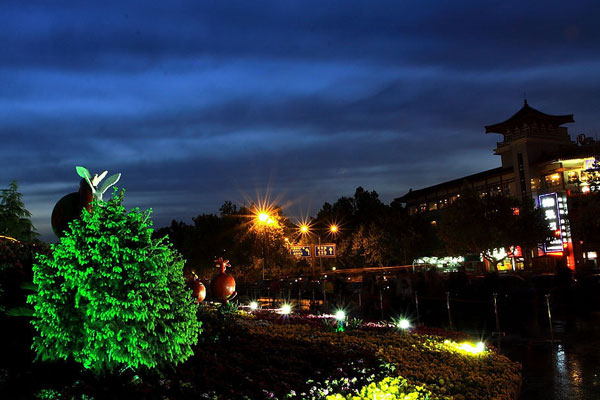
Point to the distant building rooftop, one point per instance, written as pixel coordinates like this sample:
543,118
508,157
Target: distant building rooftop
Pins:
413,194
528,114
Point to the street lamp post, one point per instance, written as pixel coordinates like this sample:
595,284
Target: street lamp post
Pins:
262,223
306,229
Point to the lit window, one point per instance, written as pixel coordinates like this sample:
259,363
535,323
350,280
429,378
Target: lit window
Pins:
592,255
572,176
552,180
533,184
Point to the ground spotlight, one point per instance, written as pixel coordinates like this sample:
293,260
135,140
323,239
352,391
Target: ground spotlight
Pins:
404,323
340,315
285,309
253,305
469,348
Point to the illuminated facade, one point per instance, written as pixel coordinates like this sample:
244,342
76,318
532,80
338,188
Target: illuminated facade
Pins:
539,160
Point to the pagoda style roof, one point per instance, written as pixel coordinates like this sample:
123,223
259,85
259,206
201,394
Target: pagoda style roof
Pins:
528,114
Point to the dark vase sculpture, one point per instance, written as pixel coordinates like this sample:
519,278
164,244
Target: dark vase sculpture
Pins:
222,285
69,208
198,291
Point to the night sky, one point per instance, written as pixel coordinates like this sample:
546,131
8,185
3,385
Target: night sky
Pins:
198,102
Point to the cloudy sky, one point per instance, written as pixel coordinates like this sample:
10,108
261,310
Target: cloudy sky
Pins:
198,102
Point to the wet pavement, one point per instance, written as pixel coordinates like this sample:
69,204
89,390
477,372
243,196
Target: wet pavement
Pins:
568,368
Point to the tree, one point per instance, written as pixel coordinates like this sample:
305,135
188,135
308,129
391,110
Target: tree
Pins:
110,296
15,220
584,214
476,224
269,249
233,235
530,228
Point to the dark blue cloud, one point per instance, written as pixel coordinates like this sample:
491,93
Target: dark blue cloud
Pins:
200,102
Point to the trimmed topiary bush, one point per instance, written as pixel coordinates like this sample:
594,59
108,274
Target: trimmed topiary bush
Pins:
111,297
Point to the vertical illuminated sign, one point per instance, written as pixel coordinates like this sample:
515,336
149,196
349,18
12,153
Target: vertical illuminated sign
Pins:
549,203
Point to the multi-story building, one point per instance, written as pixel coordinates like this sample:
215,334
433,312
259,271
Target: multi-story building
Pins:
538,160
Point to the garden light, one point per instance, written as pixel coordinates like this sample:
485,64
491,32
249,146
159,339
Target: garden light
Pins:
253,305
285,309
468,348
340,315
404,324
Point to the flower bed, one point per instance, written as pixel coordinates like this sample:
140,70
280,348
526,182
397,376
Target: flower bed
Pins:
265,355
440,365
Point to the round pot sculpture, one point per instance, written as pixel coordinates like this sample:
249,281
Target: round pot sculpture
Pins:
198,290
85,196
222,285
69,207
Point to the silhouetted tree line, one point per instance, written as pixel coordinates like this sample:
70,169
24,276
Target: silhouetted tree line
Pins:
370,233
375,234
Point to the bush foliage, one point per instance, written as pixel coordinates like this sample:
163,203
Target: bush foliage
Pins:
111,297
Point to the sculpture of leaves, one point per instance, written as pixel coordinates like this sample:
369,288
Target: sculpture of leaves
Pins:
93,182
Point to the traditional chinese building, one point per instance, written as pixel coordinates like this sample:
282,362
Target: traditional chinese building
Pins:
538,160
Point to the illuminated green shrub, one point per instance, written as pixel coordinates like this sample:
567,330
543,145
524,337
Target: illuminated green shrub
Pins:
112,297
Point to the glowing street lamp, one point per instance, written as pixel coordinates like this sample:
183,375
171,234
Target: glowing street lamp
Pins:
263,220
305,228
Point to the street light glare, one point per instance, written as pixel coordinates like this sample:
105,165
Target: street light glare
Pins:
333,228
263,217
304,228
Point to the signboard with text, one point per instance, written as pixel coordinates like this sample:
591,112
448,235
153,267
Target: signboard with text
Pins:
325,250
300,251
551,205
